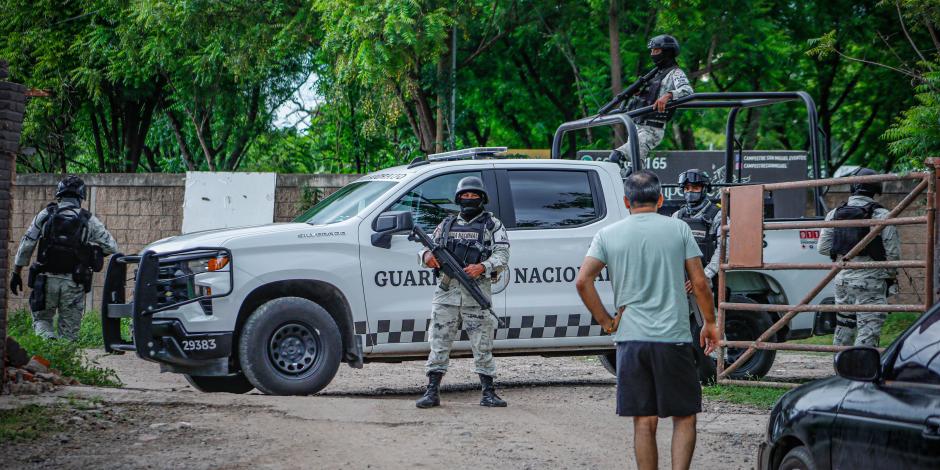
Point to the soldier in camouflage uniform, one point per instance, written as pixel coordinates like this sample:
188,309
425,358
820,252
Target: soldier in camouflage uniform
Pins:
669,83
861,286
480,240
64,266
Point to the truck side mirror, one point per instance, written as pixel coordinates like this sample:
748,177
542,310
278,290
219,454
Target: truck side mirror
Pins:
388,224
860,363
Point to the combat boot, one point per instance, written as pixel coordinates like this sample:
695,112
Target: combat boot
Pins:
432,396
489,393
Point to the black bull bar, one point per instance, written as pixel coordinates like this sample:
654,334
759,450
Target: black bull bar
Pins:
156,277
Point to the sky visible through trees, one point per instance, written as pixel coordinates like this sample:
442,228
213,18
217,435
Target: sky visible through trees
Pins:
358,85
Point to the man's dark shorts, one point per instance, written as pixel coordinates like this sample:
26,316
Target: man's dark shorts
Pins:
657,379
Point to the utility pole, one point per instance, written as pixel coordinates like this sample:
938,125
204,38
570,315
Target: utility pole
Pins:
451,136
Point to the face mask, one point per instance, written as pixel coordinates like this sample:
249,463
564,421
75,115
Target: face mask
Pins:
470,208
693,198
663,59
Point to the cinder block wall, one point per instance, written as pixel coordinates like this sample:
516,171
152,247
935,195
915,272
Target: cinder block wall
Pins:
141,208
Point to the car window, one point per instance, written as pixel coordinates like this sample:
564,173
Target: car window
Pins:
547,199
918,357
433,200
345,203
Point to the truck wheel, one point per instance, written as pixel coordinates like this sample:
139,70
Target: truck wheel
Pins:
235,383
747,326
290,346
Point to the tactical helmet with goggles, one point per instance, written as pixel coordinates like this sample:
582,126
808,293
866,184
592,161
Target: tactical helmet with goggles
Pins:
696,177
865,189
71,186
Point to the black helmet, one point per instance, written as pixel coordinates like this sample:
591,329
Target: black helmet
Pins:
471,183
664,42
71,186
865,189
694,176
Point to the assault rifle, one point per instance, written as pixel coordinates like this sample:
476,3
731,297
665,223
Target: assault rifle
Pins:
628,92
453,269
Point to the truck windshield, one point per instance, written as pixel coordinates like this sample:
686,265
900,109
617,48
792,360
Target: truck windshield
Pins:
347,202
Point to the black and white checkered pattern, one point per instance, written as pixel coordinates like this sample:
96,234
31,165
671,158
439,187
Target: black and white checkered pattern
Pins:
524,327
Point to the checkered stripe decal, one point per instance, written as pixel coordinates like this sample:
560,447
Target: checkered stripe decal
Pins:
524,327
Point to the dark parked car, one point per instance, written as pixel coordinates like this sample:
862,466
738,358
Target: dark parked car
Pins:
881,411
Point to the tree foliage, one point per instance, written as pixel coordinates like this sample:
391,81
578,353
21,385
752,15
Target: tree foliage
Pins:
167,85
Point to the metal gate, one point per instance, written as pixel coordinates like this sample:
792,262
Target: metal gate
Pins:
745,204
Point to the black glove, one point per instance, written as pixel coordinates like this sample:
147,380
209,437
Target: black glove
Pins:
16,283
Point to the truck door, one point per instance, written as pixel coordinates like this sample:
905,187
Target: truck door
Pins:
552,215
397,290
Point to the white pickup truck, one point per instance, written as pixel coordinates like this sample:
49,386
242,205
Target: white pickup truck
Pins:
279,307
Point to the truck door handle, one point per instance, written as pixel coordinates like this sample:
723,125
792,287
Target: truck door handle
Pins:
932,428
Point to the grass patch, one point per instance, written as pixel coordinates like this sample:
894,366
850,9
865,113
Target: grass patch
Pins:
896,324
27,423
66,356
761,397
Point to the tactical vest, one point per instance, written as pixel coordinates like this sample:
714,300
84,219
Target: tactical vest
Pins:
62,247
468,242
650,94
702,229
845,238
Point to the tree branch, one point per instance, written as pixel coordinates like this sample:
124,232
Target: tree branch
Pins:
906,34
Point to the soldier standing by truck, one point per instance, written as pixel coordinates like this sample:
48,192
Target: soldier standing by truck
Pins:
703,217
861,286
669,83
72,246
478,239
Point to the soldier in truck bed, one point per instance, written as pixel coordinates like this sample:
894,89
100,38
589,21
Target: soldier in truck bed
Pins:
669,83
72,245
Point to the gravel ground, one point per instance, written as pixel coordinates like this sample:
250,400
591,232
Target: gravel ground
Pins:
560,415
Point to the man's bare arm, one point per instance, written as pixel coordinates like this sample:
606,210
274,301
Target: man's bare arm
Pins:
590,269
706,303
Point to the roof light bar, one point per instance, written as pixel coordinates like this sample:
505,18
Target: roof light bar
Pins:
467,154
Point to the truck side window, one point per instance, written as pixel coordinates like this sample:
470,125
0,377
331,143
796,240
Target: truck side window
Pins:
546,199
433,200
918,358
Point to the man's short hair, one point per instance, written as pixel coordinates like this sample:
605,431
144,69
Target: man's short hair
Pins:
642,188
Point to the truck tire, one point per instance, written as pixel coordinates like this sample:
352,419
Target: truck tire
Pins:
235,383
747,326
609,361
290,346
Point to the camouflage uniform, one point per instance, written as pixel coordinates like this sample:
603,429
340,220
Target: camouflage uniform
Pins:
649,137
453,305
862,286
62,293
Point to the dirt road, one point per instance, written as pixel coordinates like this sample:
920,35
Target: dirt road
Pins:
560,415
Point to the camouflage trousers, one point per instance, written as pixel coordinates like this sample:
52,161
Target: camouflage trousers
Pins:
68,299
445,329
865,327
648,138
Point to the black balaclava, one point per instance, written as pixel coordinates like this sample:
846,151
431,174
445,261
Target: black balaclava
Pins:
664,59
694,199
470,208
